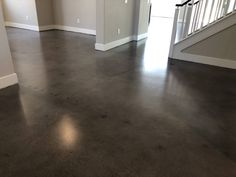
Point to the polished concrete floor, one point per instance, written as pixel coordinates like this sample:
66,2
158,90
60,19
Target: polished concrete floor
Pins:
78,112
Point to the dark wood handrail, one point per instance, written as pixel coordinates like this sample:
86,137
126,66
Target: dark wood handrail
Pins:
194,3
183,4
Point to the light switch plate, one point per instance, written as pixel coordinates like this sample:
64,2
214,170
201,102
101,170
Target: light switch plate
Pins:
118,31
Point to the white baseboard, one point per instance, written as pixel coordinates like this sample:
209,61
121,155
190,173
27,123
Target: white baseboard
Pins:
225,63
111,45
140,37
8,80
108,46
22,26
51,27
46,28
75,29
100,47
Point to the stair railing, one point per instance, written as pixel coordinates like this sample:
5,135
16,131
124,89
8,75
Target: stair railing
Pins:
193,15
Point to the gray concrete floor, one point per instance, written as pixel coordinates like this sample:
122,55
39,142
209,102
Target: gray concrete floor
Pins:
122,113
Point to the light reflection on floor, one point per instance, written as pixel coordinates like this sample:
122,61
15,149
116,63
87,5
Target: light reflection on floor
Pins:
157,45
69,134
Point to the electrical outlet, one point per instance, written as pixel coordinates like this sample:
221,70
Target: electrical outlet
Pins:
118,31
78,20
27,17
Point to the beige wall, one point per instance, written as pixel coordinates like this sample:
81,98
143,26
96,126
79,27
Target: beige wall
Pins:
52,12
142,14
100,22
119,15
20,11
45,12
131,18
6,66
66,13
221,45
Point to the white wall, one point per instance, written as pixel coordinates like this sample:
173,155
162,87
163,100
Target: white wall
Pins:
7,75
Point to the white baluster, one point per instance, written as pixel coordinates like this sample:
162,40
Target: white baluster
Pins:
188,19
211,11
204,13
226,7
174,32
199,13
219,14
195,23
194,17
183,23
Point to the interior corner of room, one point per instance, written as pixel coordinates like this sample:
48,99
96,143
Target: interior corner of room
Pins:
7,74
113,22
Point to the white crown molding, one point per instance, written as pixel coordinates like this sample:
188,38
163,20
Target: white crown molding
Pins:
8,80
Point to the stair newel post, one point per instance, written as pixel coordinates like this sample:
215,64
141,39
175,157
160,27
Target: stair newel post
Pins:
188,19
174,32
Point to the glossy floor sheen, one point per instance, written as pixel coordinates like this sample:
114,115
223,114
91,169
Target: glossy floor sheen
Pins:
123,113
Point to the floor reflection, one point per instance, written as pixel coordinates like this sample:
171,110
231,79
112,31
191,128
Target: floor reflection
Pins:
66,124
36,64
69,134
25,105
157,45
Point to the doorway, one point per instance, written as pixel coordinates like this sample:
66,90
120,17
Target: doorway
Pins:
164,8
159,35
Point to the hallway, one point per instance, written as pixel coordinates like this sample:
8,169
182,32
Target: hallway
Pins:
157,45
122,113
